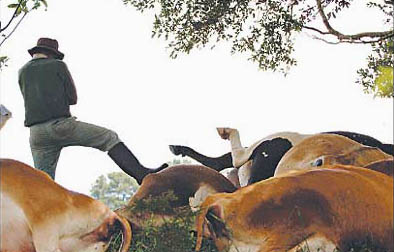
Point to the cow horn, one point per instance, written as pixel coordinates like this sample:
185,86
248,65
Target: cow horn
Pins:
126,230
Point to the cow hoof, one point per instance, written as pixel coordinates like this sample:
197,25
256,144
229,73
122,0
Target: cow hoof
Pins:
224,133
177,150
163,166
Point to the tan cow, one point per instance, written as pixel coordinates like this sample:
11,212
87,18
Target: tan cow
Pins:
38,215
328,149
191,184
321,209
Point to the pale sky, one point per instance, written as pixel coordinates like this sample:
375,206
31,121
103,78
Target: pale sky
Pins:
127,82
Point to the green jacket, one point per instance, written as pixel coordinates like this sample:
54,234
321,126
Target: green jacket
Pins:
48,90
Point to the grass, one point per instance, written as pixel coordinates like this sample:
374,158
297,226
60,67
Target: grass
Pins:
175,235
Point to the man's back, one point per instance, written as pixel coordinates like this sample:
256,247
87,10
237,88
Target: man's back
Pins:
47,89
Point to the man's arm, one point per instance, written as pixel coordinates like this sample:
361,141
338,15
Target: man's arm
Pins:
71,91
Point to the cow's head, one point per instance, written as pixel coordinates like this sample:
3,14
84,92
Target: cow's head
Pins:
327,149
5,114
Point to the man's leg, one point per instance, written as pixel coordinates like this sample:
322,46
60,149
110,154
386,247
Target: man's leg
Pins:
77,133
126,160
46,160
45,152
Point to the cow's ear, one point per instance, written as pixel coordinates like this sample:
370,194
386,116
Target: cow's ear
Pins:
362,156
384,166
215,222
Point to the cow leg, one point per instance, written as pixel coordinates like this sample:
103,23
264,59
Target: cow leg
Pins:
46,240
216,163
240,155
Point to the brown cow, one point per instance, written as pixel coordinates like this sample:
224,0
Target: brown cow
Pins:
191,184
38,215
332,207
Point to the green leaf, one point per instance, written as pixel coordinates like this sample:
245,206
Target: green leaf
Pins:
44,2
12,6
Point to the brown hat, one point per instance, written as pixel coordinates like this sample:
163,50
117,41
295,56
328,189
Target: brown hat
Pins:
45,45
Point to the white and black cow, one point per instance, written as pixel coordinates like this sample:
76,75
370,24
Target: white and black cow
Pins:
265,154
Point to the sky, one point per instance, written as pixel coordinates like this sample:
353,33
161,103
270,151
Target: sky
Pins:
126,82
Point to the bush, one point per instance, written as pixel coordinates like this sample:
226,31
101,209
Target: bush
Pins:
175,235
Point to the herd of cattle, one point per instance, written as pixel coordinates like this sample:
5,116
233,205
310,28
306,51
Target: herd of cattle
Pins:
287,192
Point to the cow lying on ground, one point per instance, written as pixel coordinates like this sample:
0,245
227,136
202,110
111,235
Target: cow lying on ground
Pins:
328,149
264,154
190,184
38,215
333,207
5,114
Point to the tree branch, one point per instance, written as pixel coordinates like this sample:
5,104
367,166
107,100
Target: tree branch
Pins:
13,29
315,29
13,16
355,38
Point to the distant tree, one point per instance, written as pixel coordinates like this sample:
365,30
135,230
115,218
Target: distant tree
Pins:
20,9
114,190
266,30
177,161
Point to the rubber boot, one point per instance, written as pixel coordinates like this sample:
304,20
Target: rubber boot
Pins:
126,160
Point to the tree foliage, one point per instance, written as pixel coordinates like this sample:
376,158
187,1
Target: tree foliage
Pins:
177,161
377,77
265,29
114,190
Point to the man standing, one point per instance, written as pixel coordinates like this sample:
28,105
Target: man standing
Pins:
48,91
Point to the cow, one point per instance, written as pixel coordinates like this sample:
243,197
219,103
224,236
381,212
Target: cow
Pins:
39,215
328,149
260,160
190,184
5,114
322,209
